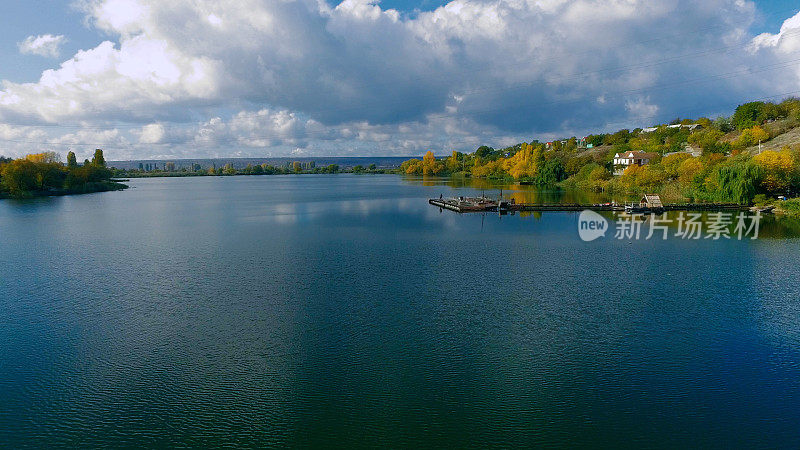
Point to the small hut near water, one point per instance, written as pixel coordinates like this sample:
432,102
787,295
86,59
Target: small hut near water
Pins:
652,201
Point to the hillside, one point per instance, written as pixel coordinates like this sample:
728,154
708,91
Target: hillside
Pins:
789,138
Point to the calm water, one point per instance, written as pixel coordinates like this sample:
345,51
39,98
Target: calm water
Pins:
344,310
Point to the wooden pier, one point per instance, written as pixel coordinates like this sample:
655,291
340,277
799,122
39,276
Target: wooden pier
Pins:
485,204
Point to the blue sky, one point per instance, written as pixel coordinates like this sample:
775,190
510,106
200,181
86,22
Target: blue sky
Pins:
768,6
410,5
64,17
194,78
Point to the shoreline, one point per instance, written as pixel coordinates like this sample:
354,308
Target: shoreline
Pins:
108,186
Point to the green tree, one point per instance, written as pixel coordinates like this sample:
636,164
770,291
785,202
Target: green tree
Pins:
19,177
738,182
595,140
723,124
483,151
708,140
72,161
551,172
98,159
754,113
453,163
618,138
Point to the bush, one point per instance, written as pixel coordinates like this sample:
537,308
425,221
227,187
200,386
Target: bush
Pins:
790,207
750,137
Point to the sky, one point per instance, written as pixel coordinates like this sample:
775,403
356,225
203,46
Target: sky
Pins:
149,79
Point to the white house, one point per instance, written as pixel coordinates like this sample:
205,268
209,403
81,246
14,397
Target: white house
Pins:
626,159
690,127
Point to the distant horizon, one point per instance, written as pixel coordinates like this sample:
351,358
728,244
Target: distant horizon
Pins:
242,162
293,158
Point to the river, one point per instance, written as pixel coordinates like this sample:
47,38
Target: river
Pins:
343,310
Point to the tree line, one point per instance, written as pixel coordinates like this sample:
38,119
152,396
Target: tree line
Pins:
691,160
228,169
45,174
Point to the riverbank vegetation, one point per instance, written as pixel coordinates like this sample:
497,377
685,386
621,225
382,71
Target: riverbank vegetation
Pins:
44,174
702,160
169,169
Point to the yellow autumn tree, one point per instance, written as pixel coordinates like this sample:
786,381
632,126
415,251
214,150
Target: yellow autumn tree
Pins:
411,167
453,164
45,157
673,162
518,166
689,169
430,166
525,163
779,170
479,169
750,137
629,177
488,169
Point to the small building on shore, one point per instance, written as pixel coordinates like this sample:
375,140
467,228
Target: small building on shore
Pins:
652,201
690,127
626,159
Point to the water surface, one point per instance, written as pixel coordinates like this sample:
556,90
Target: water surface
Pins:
344,310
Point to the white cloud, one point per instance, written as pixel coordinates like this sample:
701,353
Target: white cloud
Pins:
357,78
641,109
46,45
152,133
786,40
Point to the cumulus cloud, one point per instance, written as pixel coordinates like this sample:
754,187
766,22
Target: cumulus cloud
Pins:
786,40
46,45
254,76
152,133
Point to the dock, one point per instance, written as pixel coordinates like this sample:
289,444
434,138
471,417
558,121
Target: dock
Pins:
486,204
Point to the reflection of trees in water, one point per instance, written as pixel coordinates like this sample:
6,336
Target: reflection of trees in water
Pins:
513,190
770,226
530,214
775,227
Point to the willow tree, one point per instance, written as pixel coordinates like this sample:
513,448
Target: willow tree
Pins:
738,182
